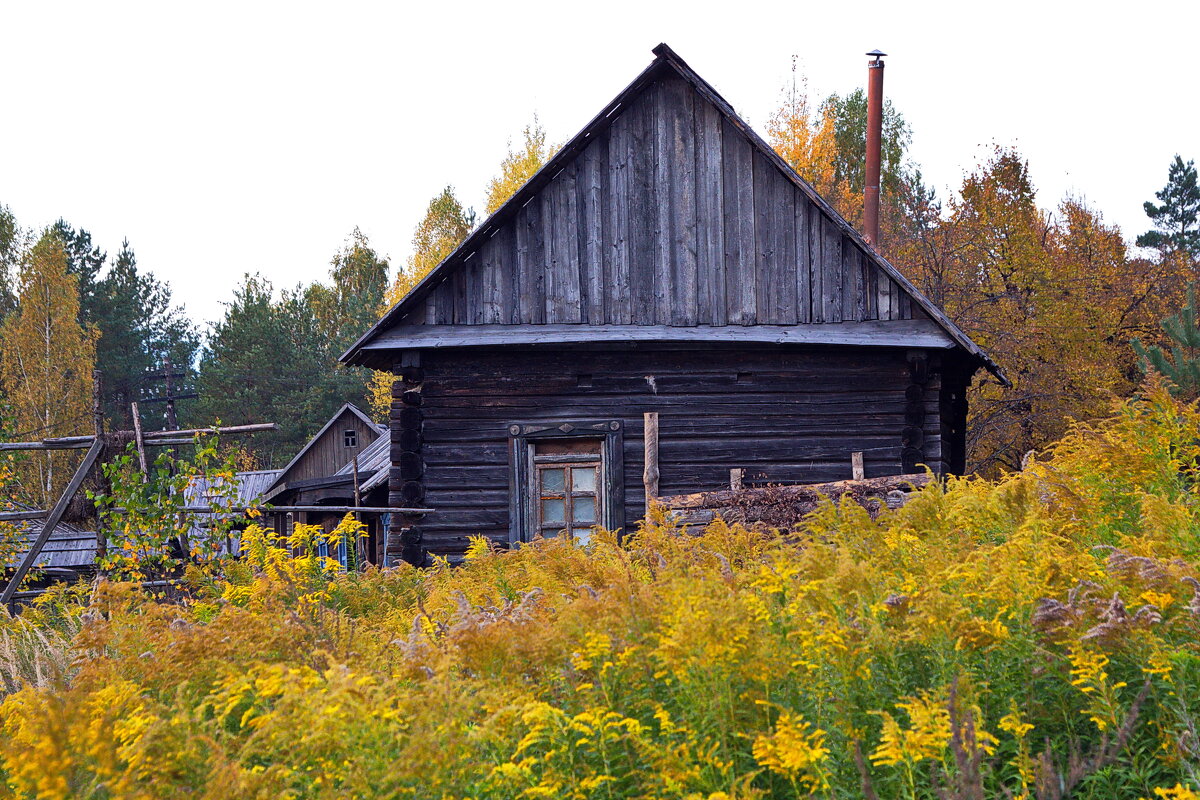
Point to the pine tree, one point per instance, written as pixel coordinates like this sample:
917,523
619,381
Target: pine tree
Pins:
1177,220
139,330
84,260
1180,366
46,360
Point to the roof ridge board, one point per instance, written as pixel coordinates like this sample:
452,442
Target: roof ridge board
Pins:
517,201
938,315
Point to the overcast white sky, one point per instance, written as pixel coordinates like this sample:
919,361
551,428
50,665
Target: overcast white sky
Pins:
224,138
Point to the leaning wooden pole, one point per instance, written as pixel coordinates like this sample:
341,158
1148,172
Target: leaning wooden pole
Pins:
52,519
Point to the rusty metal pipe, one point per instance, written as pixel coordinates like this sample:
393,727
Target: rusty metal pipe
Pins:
874,146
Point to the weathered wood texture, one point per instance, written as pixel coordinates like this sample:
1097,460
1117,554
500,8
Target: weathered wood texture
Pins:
669,216
784,506
329,454
784,415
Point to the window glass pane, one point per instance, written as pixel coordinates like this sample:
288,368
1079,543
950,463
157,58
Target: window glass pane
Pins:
553,481
583,509
583,535
583,479
553,512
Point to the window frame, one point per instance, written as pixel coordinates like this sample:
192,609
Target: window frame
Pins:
523,490
349,437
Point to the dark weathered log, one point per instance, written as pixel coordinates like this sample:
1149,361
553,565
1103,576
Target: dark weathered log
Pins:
833,490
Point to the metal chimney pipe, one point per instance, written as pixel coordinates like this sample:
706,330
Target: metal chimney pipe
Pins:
874,146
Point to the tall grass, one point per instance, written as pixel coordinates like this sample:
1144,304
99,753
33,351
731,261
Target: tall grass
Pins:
1034,636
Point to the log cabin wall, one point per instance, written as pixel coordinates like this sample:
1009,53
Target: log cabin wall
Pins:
784,415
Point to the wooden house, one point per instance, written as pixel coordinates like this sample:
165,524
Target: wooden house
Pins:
348,455
665,262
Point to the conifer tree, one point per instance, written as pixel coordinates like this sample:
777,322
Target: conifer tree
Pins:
1177,219
1181,365
46,360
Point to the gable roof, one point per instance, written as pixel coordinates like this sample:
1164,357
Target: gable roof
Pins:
535,271
354,410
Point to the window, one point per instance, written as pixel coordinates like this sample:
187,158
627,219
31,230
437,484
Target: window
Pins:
565,477
567,486
350,438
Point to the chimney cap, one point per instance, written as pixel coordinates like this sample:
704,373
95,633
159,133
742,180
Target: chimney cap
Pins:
878,54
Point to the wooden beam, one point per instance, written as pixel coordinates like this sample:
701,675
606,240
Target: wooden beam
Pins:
152,438
50,444
303,509
137,437
14,516
52,519
856,467
254,428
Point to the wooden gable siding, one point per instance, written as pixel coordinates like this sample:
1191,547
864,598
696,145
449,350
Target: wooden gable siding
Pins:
327,455
670,217
785,415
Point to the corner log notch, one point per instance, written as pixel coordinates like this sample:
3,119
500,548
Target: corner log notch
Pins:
405,485
784,506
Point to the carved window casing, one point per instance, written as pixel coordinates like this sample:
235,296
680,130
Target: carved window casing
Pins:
565,477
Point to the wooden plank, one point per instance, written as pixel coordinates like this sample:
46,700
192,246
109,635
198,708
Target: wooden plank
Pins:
785,268
562,249
531,258
591,186
642,214
663,200
816,272
740,288
897,333
681,156
803,259
618,298
710,225
831,271
883,296
852,283
51,522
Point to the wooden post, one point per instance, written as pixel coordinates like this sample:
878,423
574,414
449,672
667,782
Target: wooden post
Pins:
737,479
856,467
650,474
141,443
97,410
359,544
98,424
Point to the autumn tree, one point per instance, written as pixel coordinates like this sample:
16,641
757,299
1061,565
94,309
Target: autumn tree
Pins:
1177,219
46,360
826,144
519,166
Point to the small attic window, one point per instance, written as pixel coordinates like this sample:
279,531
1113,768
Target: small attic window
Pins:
350,438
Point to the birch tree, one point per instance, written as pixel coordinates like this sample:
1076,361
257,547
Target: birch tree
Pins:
46,361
